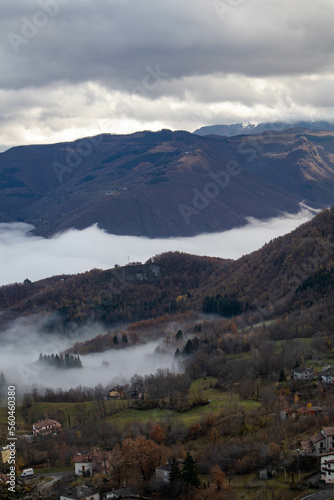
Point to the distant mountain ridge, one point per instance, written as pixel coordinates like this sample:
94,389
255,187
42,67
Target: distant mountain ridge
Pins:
163,184
240,129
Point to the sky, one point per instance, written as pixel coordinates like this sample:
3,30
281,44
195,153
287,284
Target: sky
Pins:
75,68
23,256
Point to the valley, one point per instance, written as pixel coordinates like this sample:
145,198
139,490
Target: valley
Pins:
235,334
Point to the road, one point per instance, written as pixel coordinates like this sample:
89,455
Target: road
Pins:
321,495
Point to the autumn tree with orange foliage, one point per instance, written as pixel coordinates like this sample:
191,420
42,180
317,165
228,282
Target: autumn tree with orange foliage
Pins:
217,476
139,455
157,434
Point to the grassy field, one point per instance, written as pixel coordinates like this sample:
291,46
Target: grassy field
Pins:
204,388
250,487
121,414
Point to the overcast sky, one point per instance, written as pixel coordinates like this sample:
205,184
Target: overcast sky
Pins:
71,68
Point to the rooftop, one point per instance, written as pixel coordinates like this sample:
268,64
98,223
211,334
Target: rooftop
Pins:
302,369
317,437
45,423
79,493
81,458
165,467
329,431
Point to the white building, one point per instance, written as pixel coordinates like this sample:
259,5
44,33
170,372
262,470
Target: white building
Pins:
162,473
327,468
82,465
320,444
328,376
303,373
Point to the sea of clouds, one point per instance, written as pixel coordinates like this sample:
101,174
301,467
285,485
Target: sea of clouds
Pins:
23,255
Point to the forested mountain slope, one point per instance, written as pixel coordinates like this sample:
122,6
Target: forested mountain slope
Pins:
291,273
162,184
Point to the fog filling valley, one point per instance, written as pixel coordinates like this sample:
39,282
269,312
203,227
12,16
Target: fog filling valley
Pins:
25,256
22,343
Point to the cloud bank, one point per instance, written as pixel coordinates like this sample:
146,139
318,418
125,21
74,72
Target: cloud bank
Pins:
24,256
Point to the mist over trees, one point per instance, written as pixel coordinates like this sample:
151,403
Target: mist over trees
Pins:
61,362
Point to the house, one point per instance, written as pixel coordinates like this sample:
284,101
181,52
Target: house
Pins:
136,394
46,427
287,413
328,376
116,392
320,444
123,493
310,410
162,473
303,373
82,465
264,474
327,468
95,461
305,411
4,455
80,493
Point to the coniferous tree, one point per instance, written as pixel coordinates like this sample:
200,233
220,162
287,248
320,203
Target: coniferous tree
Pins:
282,377
176,484
179,335
189,472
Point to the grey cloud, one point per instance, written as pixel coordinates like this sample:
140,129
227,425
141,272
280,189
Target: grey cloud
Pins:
93,61
112,42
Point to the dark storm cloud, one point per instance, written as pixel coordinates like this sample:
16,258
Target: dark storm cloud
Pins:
68,65
112,42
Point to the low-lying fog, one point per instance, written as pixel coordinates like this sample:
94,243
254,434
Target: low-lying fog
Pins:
22,343
24,256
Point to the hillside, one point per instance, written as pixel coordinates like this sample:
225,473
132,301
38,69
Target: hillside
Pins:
293,273
273,275
164,184
131,293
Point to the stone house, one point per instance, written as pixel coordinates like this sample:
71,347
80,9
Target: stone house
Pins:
303,373
319,444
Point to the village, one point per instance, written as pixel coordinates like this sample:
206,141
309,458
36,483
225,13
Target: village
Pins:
91,468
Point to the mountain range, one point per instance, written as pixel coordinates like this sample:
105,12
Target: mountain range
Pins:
251,128
163,184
